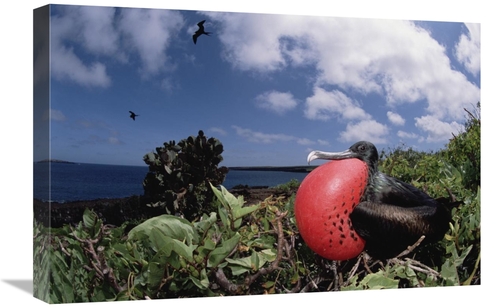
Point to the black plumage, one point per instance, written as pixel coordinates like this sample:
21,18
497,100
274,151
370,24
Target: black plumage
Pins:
133,115
200,31
392,214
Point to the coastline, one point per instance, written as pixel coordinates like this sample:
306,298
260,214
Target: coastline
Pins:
116,211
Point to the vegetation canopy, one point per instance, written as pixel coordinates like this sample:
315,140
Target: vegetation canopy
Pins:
210,242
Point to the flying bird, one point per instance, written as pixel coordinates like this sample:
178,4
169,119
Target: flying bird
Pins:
392,214
133,115
200,31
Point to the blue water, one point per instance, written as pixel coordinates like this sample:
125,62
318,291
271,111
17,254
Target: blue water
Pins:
72,182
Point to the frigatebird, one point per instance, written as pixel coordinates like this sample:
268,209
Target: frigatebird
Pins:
392,214
200,31
133,115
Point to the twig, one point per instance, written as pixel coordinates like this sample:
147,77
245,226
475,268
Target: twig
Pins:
312,284
103,271
275,264
233,288
416,266
411,248
353,270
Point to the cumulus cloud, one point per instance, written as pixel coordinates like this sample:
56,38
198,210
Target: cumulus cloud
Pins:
394,59
436,129
324,105
395,118
365,130
467,50
109,32
149,33
75,24
278,102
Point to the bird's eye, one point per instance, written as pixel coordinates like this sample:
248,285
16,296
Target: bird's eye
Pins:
361,148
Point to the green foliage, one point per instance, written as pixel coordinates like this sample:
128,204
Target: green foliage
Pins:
288,188
179,175
464,150
236,249
229,247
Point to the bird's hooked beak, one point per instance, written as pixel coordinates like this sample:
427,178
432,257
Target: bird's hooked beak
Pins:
330,155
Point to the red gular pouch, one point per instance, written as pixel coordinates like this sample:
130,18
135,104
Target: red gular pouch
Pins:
324,201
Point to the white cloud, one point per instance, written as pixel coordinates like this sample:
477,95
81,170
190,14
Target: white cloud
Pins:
305,141
57,115
218,130
251,41
149,32
77,24
105,31
114,140
369,130
467,50
324,105
96,28
436,129
323,142
260,137
395,118
395,59
66,65
278,102
406,135
54,115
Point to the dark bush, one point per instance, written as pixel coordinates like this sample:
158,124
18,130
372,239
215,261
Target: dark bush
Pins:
179,175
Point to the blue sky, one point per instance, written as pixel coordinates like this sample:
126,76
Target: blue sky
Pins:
271,87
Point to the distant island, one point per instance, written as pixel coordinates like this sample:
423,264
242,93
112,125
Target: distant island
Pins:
304,169
55,161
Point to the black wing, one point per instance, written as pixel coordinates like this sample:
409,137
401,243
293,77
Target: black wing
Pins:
386,189
389,229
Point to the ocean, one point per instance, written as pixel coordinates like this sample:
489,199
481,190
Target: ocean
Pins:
73,182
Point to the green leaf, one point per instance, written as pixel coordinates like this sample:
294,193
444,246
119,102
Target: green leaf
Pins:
156,272
378,281
203,282
171,226
221,253
165,244
205,222
240,212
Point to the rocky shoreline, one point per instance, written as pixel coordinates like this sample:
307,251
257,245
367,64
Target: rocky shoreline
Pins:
133,208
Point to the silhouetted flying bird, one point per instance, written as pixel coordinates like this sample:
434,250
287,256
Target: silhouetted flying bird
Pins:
133,115
200,31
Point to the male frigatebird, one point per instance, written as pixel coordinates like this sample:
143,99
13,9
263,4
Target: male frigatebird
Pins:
200,31
133,115
391,215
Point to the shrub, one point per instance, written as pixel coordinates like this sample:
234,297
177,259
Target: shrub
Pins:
180,174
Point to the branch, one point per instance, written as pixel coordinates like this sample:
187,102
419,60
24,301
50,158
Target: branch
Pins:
233,288
99,264
278,227
411,248
227,285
